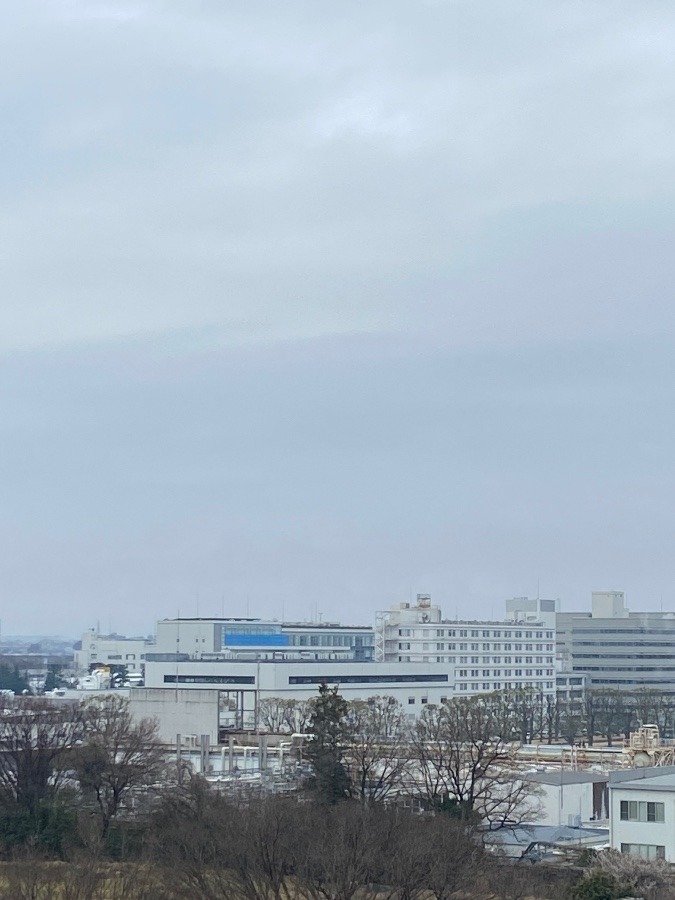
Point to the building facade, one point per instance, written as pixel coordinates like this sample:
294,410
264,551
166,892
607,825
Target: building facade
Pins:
516,653
642,812
616,648
252,639
112,650
242,684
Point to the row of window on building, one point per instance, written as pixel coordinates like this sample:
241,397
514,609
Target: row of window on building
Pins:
476,632
496,648
116,656
328,640
488,687
643,811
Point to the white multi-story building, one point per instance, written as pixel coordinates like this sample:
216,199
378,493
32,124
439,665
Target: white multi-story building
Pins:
642,812
253,639
485,656
616,648
111,650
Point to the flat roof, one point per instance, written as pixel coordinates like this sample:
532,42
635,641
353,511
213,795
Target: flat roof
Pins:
238,620
562,835
660,783
565,777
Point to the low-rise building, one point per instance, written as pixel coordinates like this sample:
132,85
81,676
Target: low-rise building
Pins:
242,684
568,797
113,650
642,812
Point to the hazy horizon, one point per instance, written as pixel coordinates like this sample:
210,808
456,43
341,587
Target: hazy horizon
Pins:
320,307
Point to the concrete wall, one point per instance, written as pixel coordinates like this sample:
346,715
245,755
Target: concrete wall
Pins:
129,652
280,679
655,833
191,636
560,801
178,711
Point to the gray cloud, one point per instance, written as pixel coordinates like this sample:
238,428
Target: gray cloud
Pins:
320,302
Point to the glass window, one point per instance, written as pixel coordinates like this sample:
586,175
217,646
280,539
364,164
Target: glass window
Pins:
641,811
644,851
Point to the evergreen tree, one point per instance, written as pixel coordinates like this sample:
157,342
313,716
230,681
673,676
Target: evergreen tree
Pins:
11,679
330,733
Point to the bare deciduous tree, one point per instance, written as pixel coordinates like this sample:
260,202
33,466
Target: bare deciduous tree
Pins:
36,742
119,758
338,851
377,755
460,765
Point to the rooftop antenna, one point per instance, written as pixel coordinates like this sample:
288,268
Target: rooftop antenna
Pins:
222,606
537,588
197,604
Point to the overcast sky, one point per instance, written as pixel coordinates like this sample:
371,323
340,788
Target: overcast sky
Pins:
309,306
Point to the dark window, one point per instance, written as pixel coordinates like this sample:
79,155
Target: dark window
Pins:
338,678
209,679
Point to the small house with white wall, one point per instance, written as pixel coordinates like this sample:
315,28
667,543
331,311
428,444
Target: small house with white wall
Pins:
642,812
569,797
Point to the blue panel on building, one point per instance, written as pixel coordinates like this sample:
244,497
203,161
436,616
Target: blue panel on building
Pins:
255,640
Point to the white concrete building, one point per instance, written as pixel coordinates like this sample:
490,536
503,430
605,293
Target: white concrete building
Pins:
111,650
242,684
642,812
572,798
616,648
246,638
485,656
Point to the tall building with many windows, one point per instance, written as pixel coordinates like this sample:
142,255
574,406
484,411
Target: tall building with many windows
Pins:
486,656
616,648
